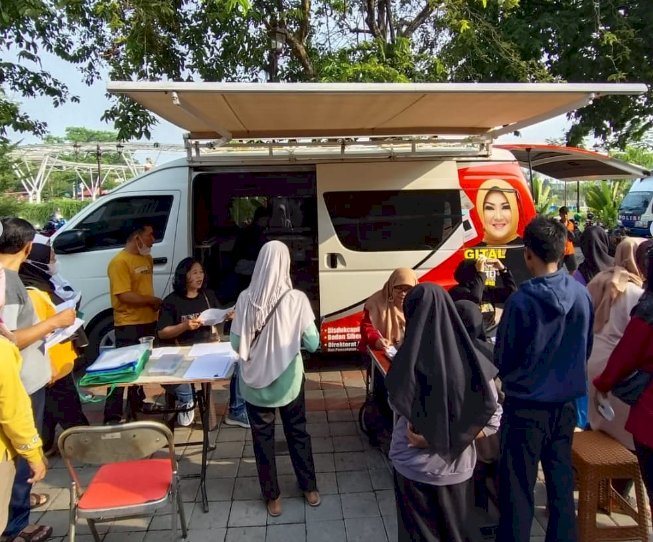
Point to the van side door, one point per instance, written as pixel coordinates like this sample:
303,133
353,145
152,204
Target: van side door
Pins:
372,219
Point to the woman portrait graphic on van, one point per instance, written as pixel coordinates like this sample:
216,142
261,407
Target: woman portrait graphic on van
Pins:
497,207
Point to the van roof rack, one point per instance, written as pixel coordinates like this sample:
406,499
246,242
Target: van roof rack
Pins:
297,150
283,111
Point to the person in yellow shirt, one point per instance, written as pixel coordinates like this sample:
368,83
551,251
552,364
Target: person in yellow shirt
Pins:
135,307
62,404
18,434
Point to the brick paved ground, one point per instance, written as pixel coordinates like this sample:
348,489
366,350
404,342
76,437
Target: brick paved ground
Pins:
354,479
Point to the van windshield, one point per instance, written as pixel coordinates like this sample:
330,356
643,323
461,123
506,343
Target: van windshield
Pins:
635,202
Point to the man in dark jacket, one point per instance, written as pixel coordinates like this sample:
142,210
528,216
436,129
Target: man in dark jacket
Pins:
543,343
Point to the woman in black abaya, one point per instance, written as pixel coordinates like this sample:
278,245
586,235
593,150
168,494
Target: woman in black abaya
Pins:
442,388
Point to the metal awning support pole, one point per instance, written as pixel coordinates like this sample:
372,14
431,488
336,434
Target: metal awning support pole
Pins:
530,169
578,196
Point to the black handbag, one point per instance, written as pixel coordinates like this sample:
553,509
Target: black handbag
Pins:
630,389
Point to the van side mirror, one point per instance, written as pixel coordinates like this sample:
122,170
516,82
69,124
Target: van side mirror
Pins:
70,242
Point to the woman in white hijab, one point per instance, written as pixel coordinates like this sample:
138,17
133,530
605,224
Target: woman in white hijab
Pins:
271,323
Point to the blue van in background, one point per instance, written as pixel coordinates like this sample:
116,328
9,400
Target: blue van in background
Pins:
635,213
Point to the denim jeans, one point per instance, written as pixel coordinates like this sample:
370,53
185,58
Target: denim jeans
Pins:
19,507
182,392
237,407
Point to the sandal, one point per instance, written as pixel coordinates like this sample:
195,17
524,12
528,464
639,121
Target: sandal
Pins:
39,534
38,499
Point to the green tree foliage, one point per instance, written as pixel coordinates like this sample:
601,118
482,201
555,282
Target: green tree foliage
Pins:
640,155
39,213
603,199
332,40
68,29
565,40
543,196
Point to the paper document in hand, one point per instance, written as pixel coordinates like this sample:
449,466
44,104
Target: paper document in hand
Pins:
164,351
209,366
70,304
117,358
61,334
212,317
165,365
390,352
201,349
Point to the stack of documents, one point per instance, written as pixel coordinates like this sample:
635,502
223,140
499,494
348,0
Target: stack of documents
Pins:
166,364
117,359
212,360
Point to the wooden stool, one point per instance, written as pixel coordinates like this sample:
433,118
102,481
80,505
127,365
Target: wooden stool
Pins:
598,459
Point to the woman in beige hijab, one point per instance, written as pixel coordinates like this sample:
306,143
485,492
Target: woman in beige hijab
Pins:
614,293
383,323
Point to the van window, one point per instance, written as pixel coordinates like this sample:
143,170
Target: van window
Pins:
110,224
635,202
391,220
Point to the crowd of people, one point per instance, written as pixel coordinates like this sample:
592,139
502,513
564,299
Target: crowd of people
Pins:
464,401
461,400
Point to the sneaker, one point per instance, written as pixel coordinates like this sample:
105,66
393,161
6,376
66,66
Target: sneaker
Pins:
240,420
186,416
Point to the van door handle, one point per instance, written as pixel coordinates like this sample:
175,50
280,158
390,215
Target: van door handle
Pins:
160,261
332,260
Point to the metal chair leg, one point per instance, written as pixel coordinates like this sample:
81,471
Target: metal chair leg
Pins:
182,511
173,514
72,520
91,526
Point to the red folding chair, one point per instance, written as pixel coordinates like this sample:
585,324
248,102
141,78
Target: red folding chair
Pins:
129,483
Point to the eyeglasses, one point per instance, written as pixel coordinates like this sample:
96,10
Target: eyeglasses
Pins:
403,288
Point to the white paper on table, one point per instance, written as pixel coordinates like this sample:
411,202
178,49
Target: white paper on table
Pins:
164,351
209,366
70,304
213,317
201,349
61,334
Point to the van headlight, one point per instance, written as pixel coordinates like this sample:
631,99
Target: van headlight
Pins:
620,222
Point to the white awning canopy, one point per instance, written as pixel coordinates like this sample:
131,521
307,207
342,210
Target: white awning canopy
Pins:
573,164
327,110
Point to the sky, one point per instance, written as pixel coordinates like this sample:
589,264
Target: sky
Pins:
93,103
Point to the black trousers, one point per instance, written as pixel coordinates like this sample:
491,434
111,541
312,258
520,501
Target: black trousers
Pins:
532,432
645,458
293,417
126,336
62,407
435,513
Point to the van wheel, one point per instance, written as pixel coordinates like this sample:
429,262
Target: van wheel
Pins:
101,336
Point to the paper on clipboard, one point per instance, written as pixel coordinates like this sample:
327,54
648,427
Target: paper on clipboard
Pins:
209,366
61,334
223,349
212,317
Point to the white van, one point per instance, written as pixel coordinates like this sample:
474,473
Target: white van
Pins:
390,192
636,209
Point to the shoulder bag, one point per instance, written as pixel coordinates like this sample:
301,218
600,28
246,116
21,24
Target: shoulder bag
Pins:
257,334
